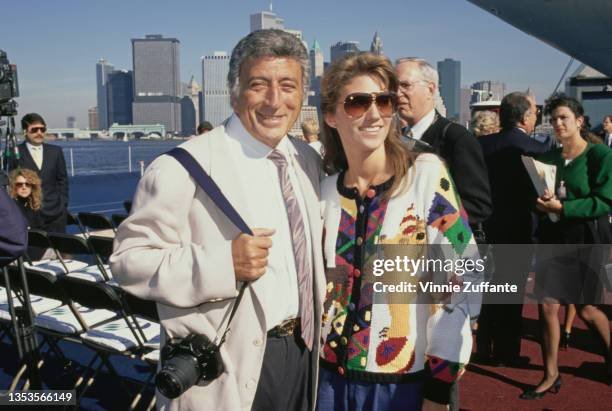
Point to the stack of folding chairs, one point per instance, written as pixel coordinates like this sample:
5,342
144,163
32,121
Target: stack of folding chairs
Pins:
74,298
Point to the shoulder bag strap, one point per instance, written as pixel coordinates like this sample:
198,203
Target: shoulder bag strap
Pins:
214,192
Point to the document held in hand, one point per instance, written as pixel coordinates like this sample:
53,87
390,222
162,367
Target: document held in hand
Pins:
542,176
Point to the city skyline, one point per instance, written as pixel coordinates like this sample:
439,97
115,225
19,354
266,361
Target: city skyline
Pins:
57,74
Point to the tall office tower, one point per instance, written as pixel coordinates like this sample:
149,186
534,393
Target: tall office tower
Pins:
120,95
190,111
103,68
343,48
377,45
449,71
317,66
71,122
266,20
464,106
214,87
157,82
316,60
307,112
487,90
92,115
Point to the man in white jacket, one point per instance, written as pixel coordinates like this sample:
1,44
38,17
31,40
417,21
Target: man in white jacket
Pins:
179,249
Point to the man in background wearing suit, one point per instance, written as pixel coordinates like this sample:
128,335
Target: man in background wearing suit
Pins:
429,131
48,161
418,85
514,197
179,249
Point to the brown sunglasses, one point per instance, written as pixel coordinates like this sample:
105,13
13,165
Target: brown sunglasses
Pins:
357,104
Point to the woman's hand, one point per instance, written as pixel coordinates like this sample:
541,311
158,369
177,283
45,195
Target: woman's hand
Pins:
433,406
549,203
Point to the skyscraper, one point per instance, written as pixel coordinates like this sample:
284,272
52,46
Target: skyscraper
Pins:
487,90
71,122
317,67
307,112
266,20
92,114
316,60
157,82
464,106
103,68
120,97
343,48
449,71
377,45
190,107
216,95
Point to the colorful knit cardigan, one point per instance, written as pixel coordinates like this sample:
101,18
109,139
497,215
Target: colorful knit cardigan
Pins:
394,341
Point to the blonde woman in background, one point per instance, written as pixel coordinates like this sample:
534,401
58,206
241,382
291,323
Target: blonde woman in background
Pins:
484,123
27,193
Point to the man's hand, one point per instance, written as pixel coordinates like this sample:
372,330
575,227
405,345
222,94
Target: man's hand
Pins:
433,406
250,254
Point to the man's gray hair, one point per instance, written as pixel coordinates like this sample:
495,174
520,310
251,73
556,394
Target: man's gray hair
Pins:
428,72
266,43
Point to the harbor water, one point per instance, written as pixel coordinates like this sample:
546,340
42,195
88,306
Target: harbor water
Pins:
102,178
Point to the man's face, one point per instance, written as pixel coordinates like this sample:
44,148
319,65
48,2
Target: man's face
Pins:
35,133
531,117
607,125
270,97
416,96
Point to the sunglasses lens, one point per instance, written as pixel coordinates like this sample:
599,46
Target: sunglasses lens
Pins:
23,184
355,105
38,129
385,104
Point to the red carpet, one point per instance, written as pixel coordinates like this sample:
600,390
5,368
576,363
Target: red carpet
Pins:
581,366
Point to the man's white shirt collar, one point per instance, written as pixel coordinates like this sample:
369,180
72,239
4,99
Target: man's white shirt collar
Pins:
33,147
422,125
252,146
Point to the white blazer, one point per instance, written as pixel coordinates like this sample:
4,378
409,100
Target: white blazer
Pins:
175,249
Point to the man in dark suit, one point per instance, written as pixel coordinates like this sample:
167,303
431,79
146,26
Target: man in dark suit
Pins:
514,198
48,161
427,130
418,86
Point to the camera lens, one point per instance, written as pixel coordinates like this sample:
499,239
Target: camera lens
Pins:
177,375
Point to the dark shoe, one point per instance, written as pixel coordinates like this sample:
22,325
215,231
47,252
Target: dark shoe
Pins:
565,340
534,395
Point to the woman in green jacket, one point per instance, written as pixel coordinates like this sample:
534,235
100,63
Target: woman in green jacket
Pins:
582,201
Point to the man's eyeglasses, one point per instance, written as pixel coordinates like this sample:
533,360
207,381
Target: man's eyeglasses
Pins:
357,104
38,129
23,185
406,86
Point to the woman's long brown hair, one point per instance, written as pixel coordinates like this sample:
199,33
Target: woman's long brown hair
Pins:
338,75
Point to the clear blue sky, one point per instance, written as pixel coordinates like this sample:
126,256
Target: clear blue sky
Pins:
56,44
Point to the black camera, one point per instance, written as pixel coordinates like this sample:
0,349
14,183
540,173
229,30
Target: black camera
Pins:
186,362
9,87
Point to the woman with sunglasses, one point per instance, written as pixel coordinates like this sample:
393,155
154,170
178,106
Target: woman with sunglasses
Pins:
384,351
26,191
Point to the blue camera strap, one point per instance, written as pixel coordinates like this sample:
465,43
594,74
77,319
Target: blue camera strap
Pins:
214,193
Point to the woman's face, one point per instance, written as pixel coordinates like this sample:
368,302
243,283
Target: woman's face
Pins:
361,131
24,189
565,123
